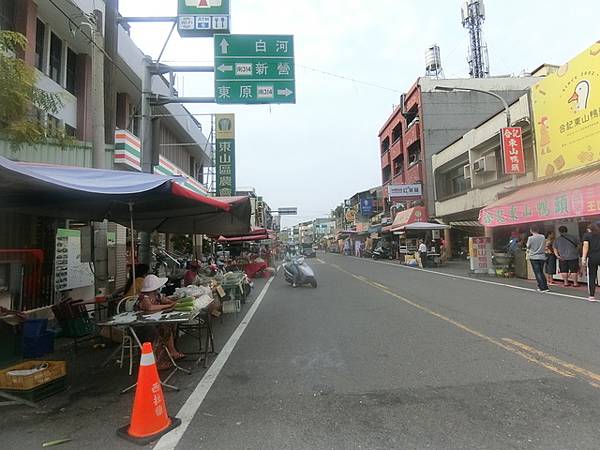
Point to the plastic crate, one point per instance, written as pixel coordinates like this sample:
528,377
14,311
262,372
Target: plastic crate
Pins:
36,347
77,327
55,370
231,306
40,392
35,327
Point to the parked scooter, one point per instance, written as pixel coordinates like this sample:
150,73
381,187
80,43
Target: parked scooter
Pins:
381,253
298,273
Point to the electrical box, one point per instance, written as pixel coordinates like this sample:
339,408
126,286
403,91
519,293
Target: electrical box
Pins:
87,244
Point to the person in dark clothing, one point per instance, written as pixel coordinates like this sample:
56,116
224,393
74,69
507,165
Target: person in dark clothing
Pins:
591,258
550,267
536,245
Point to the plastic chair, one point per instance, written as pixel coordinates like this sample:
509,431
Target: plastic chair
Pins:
128,343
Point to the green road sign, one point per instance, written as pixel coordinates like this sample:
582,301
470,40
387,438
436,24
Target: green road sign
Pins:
202,18
225,153
254,69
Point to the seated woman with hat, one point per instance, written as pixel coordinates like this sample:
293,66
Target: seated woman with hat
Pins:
150,300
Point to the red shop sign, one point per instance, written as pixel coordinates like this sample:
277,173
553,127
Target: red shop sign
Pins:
512,148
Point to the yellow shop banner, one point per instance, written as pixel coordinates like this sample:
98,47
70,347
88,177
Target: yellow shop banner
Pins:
566,111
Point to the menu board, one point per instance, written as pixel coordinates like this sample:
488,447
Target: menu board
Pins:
70,272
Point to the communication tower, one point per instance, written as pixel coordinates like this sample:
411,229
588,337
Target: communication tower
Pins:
473,15
433,62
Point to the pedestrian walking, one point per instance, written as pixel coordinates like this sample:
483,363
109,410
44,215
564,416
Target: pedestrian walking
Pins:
550,266
566,248
536,250
423,253
591,258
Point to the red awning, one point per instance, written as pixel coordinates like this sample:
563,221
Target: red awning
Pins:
411,215
251,238
572,196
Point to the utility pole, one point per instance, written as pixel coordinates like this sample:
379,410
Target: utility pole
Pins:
98,141
99,148
145,254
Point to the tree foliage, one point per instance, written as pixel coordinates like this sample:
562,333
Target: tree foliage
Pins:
19,93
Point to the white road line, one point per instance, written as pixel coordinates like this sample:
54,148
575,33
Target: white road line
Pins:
476,280
187,412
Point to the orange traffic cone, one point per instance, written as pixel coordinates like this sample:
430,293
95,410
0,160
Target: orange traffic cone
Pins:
149,418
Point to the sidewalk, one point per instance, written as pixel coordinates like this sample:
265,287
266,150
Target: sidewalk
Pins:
91,408
460,269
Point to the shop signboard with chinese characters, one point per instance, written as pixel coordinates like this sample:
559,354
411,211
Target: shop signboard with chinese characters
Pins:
405,190
581,202
254,69
202,18
512,148
225,154
480,255
566,114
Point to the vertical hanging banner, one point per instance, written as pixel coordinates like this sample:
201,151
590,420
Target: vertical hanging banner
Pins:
512,147
225,154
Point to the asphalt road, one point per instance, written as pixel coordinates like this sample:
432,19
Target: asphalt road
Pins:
381,357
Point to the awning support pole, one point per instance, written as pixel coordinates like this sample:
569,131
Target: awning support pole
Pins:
132,248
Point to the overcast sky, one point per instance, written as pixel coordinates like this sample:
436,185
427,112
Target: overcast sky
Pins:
325,148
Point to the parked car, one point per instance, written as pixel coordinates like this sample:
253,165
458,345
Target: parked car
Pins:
333,249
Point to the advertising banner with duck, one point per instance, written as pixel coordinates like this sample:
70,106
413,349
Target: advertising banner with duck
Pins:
566,110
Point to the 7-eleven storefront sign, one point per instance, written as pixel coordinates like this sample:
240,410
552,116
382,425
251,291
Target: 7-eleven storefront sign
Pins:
128,152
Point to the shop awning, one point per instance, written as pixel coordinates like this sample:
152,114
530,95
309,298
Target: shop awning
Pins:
425,226
573,196
403,218
255,234
466,224
155,202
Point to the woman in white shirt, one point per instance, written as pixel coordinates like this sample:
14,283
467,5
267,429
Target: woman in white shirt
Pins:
423,252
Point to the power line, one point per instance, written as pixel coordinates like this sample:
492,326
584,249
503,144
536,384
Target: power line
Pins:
313,69
91,41
343,77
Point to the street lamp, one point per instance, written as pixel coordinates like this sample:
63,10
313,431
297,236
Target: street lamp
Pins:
482,91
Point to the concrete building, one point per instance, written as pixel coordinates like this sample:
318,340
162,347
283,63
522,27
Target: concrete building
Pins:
426,121
469,174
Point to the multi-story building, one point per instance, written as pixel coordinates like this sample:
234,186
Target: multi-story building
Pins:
61,53
428,120
469,174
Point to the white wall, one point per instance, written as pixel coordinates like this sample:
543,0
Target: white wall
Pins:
68,113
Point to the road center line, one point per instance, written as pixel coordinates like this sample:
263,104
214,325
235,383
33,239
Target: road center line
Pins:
532,355
189,409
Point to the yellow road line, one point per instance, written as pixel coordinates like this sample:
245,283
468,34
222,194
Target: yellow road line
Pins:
589,376
551,363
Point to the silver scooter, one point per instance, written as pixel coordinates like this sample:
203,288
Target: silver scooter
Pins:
298,273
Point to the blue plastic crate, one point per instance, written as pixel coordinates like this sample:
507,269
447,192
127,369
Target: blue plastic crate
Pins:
35,327
36,347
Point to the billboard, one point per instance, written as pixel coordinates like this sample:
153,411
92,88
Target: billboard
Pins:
566,113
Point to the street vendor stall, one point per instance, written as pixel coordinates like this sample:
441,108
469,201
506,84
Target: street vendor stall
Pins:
410,228
146,202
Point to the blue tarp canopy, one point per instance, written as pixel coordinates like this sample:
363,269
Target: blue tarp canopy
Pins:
155,202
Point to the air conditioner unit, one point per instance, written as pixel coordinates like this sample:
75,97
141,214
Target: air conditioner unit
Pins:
467,171
490,163
479,165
